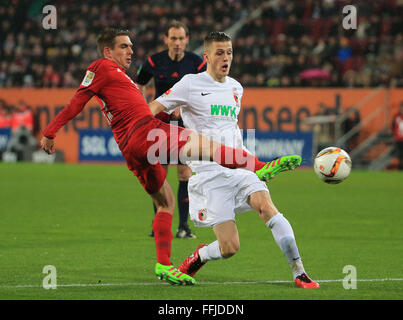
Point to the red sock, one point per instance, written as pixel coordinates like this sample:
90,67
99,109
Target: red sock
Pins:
163,236
237,158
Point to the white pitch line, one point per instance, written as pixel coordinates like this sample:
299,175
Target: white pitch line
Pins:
157,283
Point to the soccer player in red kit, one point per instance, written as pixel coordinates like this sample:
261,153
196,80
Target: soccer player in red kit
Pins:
131,121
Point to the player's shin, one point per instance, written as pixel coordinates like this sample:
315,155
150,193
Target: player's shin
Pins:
285,239
200,147
236,158
163,236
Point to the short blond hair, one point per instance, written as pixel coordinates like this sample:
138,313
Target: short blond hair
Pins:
107,38
215,36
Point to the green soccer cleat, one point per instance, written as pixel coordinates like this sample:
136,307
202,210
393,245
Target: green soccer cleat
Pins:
278,165
173,276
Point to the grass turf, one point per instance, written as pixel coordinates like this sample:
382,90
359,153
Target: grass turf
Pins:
92,222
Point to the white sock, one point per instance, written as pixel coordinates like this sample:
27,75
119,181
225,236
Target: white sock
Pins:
210,252
284,237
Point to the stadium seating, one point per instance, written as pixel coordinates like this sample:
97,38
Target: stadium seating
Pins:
33,57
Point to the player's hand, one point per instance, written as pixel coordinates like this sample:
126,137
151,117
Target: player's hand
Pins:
176,114
48,145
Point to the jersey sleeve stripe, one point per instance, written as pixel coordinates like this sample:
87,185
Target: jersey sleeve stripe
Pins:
151,62
201,65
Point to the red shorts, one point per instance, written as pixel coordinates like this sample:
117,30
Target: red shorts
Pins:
151,145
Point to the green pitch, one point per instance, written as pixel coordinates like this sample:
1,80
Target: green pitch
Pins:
91,223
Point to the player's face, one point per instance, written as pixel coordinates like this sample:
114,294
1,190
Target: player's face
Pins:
121,53
219,59
176,42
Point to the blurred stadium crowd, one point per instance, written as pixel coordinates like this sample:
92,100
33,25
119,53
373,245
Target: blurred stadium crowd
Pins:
291,43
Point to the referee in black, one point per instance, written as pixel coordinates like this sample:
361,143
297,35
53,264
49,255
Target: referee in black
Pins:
167,68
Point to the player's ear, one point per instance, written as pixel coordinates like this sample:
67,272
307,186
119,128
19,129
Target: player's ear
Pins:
107,52
205,57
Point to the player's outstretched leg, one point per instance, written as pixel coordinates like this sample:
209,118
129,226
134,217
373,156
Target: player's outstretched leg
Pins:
193,263
199,147
172,275
278,165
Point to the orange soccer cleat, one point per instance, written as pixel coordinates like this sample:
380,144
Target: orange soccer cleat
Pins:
303,281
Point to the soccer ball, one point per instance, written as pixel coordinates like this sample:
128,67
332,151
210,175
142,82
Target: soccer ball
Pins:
332,165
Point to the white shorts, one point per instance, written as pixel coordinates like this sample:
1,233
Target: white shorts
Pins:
216,196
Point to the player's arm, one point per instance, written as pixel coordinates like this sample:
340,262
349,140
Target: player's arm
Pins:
94,79
174,98
75,106
169,102
163,113
156,107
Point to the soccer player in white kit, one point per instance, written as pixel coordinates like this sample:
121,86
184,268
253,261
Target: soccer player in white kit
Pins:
210,103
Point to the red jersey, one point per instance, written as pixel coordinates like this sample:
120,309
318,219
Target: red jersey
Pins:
121,102
398,127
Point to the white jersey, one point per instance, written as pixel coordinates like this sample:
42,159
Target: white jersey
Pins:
208,107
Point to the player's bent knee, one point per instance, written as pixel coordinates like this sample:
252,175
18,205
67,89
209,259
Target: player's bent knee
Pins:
261,202
267,211
228,249
166,207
